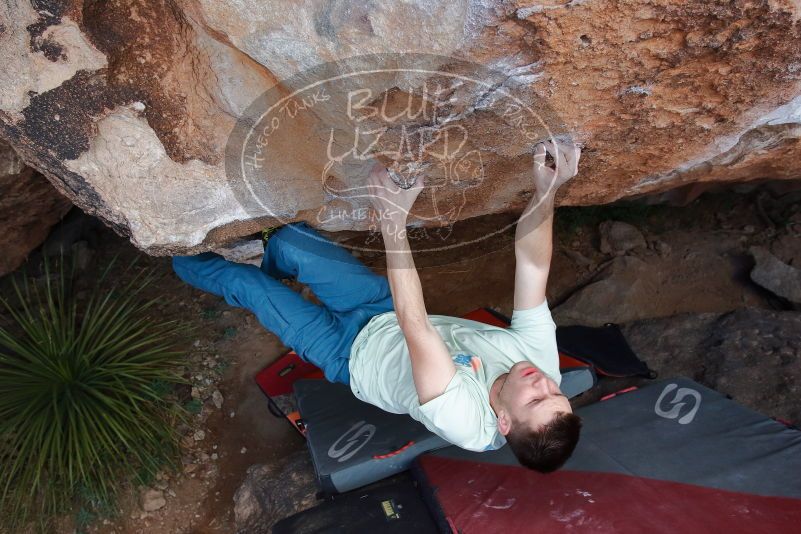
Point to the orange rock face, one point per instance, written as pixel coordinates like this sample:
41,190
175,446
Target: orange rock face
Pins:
158,115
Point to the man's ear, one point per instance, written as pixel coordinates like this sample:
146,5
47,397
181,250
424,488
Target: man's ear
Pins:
504,422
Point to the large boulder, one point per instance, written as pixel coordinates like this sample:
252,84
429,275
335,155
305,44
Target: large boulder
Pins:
29,206
129,106
616,294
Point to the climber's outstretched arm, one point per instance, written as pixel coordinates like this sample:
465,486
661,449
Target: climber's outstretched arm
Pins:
432,366
534,234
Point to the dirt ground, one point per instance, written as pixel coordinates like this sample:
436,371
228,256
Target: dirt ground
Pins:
705,270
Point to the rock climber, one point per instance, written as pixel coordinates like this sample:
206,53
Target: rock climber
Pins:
475,385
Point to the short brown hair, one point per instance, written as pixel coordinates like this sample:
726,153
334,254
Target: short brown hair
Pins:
547,448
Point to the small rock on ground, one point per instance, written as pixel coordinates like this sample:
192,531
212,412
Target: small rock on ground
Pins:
152,500
217,399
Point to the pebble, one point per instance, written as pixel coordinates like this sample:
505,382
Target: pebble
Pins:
217,399
214,456
152,500
199,435
243,451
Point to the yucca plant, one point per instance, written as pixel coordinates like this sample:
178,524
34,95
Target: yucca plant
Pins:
85,403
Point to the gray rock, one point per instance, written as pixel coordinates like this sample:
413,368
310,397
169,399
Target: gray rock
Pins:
752,354
612,297
152,500
776,276
618,237
243,251
271,492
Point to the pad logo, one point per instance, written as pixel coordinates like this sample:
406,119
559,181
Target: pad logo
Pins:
675,411
351,441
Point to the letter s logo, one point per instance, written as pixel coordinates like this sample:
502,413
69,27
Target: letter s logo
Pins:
354,438
675,410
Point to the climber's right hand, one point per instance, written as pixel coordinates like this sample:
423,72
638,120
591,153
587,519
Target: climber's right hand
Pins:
548,178
391,202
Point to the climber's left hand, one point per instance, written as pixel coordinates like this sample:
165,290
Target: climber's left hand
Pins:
548,178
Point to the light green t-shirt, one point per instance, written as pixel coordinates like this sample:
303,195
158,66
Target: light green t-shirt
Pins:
381,371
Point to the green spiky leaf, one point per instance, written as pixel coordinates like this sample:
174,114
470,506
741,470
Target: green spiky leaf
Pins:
85,403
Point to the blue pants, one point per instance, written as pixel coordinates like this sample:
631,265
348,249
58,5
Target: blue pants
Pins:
351,294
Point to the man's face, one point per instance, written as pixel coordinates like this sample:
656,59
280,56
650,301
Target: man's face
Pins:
530,398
